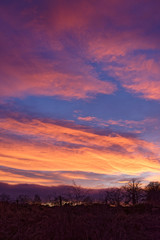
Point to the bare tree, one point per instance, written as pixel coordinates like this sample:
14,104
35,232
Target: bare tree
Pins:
114,196
133,191
22,199
153,192
78,193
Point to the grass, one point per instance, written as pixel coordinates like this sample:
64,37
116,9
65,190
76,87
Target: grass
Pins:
94,222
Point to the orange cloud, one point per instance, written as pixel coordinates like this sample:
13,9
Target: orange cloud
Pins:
16,178
39,145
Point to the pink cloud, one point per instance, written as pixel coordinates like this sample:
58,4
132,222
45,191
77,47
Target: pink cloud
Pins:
122,123
24,70
138,75
53,42
87,119
36,76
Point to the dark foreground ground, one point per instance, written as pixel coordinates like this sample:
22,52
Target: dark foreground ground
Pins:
95,222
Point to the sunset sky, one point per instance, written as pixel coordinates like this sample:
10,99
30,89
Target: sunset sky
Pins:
79,91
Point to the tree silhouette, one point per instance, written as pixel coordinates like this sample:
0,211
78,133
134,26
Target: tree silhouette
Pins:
153,192
22,199
4,198
113,196
78,193
133,191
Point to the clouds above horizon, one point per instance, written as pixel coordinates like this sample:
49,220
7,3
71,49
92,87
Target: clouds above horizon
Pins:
56,178
45,145
73,74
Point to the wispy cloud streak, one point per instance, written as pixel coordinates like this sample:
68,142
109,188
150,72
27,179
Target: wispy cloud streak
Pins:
41,145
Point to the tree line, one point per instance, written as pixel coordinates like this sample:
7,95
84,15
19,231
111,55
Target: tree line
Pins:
133,193
130,194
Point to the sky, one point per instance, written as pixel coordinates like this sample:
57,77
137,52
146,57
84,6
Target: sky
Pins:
79,92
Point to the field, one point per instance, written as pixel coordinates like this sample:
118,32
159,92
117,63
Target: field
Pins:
93,222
